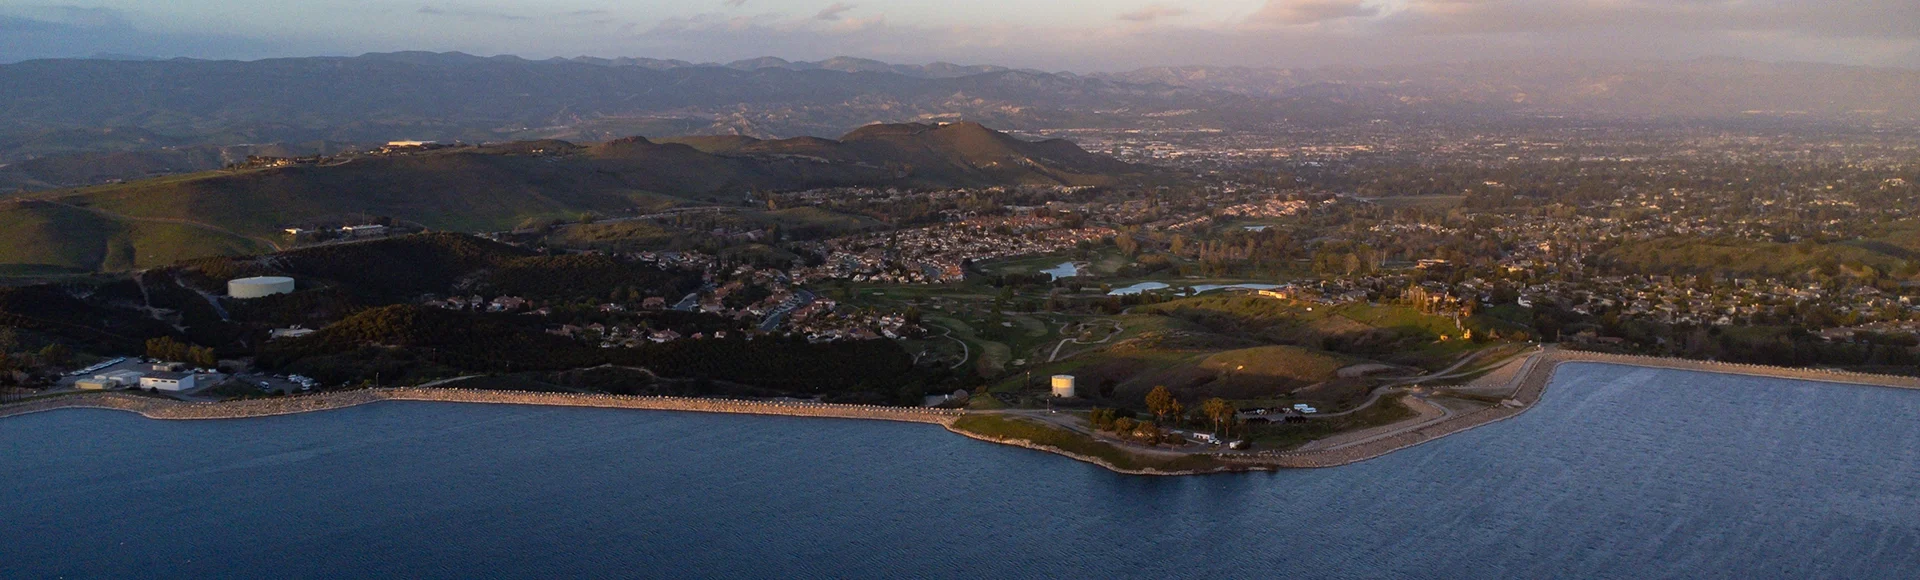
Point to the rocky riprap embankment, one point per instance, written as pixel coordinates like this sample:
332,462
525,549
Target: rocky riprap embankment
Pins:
1533,380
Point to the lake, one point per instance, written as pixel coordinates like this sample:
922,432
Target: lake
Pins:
1619,472
1197,288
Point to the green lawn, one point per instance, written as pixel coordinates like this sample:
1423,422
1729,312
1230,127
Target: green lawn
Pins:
1004,427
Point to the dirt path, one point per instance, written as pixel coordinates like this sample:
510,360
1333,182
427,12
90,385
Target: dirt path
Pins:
1072,423
1501,381
1429,413
447,381
1117,329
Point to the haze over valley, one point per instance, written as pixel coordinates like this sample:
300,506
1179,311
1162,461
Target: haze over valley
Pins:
695,304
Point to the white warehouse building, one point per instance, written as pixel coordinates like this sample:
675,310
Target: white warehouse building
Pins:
164,381
259,287
1063,386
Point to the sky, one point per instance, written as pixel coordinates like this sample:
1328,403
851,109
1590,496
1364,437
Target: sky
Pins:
1074,35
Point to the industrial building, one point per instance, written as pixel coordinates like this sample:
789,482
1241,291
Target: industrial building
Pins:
1063,386
164,381
113,380
259,287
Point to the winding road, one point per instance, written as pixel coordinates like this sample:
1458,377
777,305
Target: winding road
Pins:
1117,329
965,351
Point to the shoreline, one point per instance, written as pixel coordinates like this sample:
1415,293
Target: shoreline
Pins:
1530,385
168,409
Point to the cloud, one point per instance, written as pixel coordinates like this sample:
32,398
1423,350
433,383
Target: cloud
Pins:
1288,33
467,13
834,12
69,32
1153,12
1302,12
1854,19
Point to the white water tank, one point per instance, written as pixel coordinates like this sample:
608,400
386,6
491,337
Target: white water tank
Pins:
1063,386
259,286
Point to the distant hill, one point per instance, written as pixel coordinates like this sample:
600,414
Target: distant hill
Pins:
492,188
1703,88
55,166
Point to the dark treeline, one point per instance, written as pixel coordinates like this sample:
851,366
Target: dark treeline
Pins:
874,371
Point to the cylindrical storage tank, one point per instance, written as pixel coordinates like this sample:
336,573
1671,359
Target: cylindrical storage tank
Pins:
259,287
1063,386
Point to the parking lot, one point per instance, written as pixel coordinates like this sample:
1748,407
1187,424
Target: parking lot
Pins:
270,383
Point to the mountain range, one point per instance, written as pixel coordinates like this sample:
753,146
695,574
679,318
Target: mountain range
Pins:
70,122
50,107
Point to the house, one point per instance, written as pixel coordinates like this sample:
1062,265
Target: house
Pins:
365,230
654,303
169,381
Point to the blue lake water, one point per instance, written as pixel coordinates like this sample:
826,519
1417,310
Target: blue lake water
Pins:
1620,472
1063,270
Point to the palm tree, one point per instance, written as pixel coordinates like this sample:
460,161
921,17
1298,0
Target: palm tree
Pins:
1222,413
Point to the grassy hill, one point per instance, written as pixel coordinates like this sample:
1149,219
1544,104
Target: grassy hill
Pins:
497,187
38,237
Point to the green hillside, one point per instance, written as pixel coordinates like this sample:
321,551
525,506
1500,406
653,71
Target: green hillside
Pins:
45,238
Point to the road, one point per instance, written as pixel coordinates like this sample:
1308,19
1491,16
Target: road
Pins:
1429,413
212,300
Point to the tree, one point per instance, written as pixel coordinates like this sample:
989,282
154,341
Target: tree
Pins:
166,348
56,354
1220,411
9,340
1161,402
202,357
1101,419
